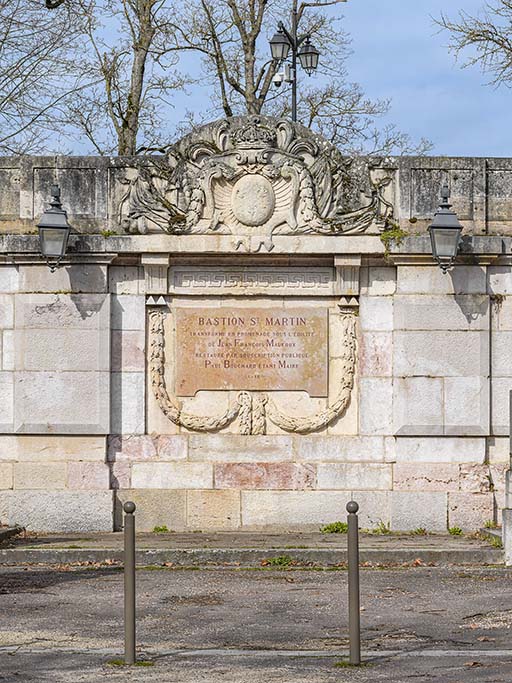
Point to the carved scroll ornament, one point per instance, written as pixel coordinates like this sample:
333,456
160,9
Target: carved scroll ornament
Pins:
253,177
252,409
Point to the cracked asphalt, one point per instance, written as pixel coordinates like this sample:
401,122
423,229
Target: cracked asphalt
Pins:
63,624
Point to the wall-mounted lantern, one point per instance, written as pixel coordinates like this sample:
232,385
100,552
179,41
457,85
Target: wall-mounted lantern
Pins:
54,231
445,232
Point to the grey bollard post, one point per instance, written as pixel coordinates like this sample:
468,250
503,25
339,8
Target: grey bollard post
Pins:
129,583
354,617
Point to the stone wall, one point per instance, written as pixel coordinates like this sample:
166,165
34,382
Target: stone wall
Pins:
422,444
353,369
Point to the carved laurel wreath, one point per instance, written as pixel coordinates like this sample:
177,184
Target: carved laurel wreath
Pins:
252,409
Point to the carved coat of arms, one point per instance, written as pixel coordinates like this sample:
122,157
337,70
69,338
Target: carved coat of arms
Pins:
253,177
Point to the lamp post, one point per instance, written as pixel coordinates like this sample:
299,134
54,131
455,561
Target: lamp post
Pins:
445,232
301,48
54,231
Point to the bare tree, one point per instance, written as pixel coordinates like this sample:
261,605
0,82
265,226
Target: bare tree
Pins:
128,55
485,39
232,38
35,73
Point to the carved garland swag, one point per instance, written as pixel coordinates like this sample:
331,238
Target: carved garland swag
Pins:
252,409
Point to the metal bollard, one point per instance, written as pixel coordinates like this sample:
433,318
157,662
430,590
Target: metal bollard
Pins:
129,583
354,616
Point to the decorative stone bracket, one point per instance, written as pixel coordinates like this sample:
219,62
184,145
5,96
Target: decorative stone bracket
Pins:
156,267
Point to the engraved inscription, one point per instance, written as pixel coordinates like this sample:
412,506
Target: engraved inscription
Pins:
270,349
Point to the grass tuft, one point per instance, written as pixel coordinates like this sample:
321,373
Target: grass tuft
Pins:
455,531
335,528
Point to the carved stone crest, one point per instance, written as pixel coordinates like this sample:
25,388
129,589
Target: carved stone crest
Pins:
253,177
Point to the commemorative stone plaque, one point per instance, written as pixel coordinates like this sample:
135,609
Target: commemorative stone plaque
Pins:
262,349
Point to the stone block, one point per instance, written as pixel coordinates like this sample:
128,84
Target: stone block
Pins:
447,449
6,401
376,354
67,350
65,402
154,509
171,447
414,510
264,475
234,448
59,311
125,280
427,312
213,510
379,281
498,477
293,509
466,406
62,511
128,312
37,475
501,362
8,350
88,476
131,448
374,508
6,311
339,448
75,278
336,335
375,406
501,387
441,354
52,448
430,280
502,315
470,511
475,478
128,403
120,475
426,477
499,280
172,475
354,476
128,350
418,406
6,475
376,313
9,279
498,449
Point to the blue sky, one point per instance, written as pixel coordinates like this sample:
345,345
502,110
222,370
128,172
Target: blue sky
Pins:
398,53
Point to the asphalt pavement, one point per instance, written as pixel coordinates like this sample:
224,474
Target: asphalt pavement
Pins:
262,624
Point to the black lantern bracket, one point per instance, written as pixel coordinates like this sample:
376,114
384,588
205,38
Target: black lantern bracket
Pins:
54,231
445,232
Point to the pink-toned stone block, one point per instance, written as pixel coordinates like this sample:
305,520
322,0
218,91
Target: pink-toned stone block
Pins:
172,447
131,448
376,354
265,475
128,350
120,475
425,477
498,473
470,510
88,475
475,478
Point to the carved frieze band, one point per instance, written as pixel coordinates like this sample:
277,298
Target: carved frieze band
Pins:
251,408
232,280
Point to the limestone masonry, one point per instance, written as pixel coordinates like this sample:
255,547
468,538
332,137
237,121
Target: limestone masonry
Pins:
235,339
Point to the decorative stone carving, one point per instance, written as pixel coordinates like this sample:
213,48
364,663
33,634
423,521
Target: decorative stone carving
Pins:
253,177
252,409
